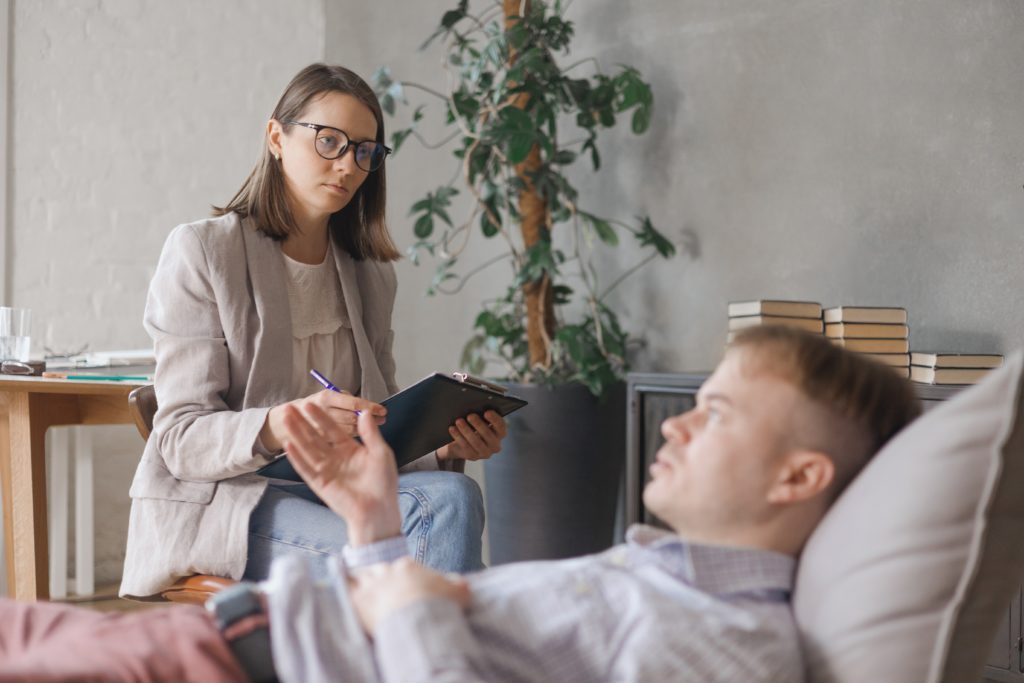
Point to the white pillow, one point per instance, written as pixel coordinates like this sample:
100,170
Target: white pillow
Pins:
908,575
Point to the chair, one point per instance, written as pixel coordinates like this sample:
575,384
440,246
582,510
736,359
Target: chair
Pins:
195,589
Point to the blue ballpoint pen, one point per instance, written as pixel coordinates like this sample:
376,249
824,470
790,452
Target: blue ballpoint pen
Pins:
326,383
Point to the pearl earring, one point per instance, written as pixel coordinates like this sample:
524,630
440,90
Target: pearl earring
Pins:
277,156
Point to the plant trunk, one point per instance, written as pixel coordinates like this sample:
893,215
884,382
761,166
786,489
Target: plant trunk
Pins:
533,212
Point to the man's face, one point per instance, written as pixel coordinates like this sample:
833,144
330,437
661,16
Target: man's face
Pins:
711,479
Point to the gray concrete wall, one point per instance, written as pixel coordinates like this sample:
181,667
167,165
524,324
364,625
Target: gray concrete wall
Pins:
127,118
843,151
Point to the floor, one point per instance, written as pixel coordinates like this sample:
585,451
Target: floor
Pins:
105,600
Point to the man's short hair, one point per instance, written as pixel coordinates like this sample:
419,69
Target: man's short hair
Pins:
858,403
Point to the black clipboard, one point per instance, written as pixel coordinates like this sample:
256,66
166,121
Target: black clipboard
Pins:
419,416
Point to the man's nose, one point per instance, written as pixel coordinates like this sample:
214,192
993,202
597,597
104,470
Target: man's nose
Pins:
677,428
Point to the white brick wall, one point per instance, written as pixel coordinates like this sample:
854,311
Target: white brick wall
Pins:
129,117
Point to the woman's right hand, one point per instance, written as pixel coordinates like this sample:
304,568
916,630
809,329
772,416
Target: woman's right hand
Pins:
341,408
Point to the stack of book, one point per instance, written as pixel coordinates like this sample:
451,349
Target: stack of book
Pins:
879,332
930,367
803,314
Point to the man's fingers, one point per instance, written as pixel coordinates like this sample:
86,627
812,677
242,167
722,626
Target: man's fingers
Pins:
299,442
370,433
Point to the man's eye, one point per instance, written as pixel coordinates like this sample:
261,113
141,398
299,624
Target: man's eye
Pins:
713,414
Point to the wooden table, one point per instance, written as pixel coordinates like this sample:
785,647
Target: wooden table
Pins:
28,407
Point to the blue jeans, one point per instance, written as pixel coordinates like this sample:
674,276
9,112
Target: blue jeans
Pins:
442,518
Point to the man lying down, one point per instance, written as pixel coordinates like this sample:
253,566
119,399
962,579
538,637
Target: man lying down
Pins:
779,429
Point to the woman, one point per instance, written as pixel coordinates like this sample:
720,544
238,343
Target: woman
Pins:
294,273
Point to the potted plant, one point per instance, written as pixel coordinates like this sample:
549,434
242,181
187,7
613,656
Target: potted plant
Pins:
513,94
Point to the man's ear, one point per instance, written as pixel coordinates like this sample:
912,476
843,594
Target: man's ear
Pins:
803,475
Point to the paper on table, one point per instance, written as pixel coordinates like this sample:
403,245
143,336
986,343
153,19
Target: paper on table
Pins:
104,359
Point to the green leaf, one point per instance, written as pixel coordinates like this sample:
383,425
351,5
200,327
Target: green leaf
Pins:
398,137
466,105
649,236
452,17
641,119
387,103
517,35
381,78
424,226
564,156
397,91
579,88
595,157
487,226
603,228
562,294
519,147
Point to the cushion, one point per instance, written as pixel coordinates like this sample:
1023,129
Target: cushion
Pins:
910,572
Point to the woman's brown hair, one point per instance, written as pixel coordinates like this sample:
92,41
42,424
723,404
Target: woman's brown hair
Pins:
359,228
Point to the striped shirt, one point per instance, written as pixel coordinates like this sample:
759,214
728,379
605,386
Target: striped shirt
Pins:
655,608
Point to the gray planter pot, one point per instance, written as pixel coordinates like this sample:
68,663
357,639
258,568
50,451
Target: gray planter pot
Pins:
553,489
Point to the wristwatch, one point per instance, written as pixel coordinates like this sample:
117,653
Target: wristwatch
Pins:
240,614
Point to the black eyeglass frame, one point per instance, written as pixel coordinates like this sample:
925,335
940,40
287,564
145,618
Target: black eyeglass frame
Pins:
317,127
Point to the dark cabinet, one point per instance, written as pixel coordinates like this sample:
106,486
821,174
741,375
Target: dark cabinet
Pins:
653,397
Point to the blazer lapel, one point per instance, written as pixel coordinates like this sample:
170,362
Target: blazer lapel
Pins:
270,382
373,386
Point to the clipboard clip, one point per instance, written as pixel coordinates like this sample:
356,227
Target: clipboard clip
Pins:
481,383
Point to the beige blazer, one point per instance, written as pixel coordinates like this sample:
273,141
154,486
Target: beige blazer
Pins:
219,317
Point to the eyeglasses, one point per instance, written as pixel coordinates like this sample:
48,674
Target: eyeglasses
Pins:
15,367
332,143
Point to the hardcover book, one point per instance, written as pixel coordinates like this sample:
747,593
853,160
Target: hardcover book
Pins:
934,359
792,309
946,375
894,359
809,324
866,331
874,345
866,314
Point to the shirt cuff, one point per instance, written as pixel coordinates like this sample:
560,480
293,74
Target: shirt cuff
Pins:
388,550
259,449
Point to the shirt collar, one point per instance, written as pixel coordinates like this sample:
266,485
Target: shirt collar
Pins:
716,569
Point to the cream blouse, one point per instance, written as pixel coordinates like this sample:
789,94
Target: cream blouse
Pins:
321,331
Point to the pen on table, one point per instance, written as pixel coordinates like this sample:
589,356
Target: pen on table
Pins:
326,383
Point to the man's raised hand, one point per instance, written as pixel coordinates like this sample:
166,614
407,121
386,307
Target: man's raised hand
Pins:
357,481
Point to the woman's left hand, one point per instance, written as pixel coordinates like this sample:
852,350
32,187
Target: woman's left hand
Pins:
475,437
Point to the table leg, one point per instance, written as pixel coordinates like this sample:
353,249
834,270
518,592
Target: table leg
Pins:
28,501
85,565
5,494
29,416
58,492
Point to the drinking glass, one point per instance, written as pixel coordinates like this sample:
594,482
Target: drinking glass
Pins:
15,334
